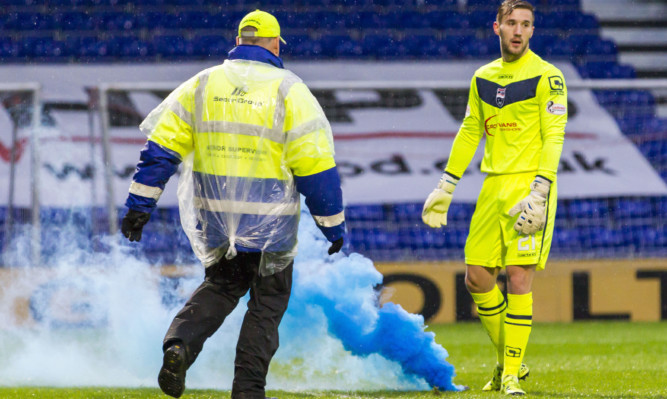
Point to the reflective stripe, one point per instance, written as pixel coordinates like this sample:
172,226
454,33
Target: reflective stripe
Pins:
280,111
199,95
145,191
330,221
250,208
180,111
240,128
305,128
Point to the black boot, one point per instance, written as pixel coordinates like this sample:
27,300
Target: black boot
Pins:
172,374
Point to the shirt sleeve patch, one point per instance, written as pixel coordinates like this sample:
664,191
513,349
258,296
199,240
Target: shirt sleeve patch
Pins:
556,109
557,85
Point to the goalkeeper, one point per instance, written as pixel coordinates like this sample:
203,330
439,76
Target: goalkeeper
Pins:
519,102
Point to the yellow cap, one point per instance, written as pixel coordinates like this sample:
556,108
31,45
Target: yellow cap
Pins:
266,24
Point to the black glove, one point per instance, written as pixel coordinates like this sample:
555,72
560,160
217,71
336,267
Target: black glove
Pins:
133,223
336,246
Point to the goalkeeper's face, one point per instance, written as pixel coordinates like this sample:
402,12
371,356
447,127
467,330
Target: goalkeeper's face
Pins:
515,31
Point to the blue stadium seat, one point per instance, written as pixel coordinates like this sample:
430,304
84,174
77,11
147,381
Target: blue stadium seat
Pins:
633,208
382,46
198,20
74,20
589,209
327,20
433,238
173,46
414,238
597,237
482,5
480,48
364,212
449,20
451,4
581,21
411,211
8,48
576,4
606,70
649,238
420,46
579,42
150,19
547,21
32,21
567,239
81,46
541,43
654,149
661,207
340,46
213,45
408,20
456,45
600,49
115,21
300,46
461,212
455,238
131,47
382,239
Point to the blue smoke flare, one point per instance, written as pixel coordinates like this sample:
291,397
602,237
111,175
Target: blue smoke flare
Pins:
343,288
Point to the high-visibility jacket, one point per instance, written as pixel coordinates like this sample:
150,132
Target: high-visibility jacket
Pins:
251,138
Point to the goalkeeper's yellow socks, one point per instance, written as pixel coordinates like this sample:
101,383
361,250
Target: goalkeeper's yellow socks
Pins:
491,308
518,324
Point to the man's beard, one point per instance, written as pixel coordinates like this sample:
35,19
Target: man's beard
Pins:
507,49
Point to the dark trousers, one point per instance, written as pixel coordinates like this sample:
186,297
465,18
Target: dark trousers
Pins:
225,283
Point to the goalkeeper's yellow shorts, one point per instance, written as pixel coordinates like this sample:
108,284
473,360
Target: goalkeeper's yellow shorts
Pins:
492,241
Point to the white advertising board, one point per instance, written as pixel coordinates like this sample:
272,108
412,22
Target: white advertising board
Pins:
385,153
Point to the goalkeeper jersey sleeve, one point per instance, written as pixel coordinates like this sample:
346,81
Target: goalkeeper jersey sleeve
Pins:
467,139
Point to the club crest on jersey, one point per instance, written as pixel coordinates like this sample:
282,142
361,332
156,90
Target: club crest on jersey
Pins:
500,96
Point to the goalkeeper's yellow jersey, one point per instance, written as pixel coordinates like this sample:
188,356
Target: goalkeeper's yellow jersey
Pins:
521,108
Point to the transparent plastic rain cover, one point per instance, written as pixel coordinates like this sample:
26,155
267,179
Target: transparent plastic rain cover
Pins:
236,186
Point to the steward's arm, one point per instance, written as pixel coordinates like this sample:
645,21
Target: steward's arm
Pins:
170,128
552,96
467,139
310,156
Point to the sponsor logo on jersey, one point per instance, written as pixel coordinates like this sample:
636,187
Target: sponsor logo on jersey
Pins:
490,126
506,76
557,85
500,96
556,109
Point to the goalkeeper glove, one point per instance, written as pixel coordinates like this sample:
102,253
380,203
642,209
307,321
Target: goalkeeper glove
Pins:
133,223
437,203
533,208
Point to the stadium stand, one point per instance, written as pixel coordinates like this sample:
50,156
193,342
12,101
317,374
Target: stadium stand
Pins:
106,31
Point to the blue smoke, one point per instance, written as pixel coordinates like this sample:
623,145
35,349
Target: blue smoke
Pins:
342,287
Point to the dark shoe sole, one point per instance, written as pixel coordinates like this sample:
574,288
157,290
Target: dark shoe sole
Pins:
172,374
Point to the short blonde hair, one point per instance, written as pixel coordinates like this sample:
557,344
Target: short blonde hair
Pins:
508,6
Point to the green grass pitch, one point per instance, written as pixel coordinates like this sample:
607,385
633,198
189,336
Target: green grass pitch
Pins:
576,360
